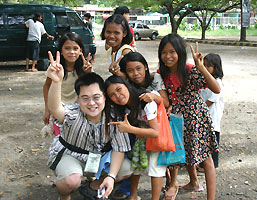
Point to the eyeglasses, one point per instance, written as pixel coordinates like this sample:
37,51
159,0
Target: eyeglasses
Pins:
94,98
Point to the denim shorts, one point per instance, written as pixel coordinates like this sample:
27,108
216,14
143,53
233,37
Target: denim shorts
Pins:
32,50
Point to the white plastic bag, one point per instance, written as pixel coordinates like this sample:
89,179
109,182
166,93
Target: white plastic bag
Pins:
47,130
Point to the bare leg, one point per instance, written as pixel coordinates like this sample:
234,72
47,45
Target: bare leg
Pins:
193,179
133,187
210,178
156,187
173,187
27,64
67,185
34,62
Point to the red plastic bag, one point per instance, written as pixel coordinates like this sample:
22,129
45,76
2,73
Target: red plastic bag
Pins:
164,141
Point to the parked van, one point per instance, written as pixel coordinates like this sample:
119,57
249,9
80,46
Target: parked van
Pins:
57,20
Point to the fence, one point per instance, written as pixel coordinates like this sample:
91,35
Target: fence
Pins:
216,22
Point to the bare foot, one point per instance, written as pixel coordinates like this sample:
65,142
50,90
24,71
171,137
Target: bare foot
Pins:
34,70
133,198
191,187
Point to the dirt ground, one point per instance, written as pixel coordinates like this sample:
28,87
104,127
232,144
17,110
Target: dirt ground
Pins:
23,152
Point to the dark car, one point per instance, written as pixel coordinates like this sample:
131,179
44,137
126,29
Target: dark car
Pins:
143,31
57,20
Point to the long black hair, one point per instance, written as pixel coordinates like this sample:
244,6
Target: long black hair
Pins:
79,62
119,19
214,60
116,112
179,45
136,57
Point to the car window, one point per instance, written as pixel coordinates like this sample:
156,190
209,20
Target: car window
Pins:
145,26
62,19
139,26
74,20
17,20
1,20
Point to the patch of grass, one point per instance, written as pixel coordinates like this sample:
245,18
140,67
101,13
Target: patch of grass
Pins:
164,30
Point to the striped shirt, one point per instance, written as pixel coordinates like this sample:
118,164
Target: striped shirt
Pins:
80,132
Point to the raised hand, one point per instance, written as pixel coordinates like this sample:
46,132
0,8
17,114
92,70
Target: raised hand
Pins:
55,70
123,126
114,67
197,56
87,66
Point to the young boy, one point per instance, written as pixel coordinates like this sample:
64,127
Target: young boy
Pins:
84,135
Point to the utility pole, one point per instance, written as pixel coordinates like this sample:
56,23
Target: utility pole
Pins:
245,18
243,29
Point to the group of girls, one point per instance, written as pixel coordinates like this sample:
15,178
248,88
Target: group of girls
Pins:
133,93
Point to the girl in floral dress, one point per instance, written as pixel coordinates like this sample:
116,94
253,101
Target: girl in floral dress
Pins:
183,83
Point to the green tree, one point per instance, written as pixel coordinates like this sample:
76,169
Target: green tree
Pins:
175,8
67,3
206,10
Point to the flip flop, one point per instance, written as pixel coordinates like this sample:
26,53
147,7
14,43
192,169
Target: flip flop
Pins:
171,197
200,189
118,195
138,198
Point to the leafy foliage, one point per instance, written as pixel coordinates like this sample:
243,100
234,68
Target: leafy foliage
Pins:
67,3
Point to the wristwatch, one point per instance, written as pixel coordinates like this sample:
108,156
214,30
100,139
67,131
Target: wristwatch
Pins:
112,176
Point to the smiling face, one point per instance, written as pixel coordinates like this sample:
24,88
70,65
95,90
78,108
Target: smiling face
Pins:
71,51
170,57
114,35
92,102
118,93
136,72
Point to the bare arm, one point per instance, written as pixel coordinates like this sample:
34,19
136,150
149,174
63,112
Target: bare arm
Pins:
165,98
56,73
124,126
49,36
45,93
211,81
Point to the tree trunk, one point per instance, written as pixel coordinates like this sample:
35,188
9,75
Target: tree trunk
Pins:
243,34
174,27
203,32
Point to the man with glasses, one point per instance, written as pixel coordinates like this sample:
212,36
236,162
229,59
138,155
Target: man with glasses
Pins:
85,140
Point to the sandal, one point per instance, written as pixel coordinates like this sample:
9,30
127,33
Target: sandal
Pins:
118,195
86,191
170,197
138,198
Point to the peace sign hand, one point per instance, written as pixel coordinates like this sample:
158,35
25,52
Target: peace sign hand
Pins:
198,57
55,70
114,67
87,66
123,126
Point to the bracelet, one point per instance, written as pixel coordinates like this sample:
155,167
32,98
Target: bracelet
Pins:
112,176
